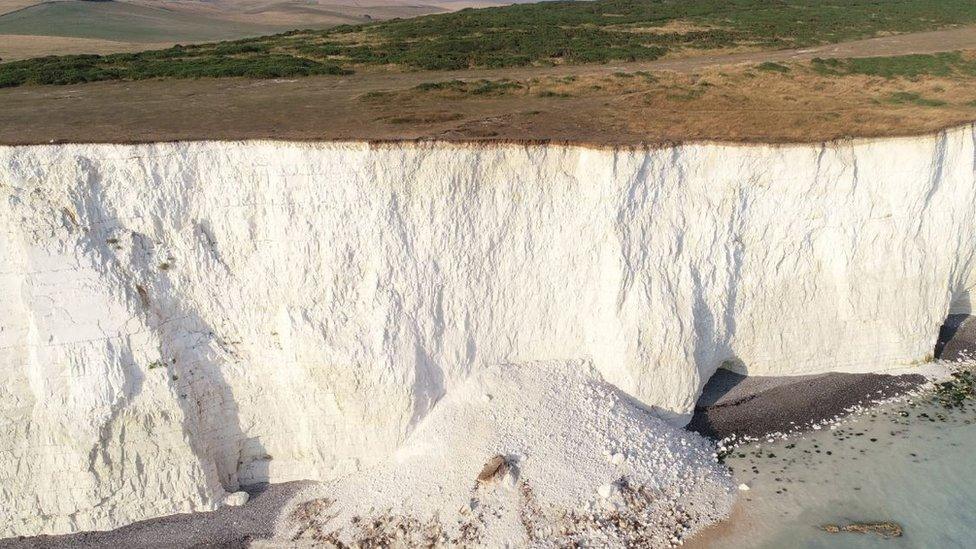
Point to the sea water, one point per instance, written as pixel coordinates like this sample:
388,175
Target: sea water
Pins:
909,462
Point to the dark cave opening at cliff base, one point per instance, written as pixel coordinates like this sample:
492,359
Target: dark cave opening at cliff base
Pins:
735,404
957,338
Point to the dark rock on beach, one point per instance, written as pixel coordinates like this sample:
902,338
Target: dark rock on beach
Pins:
886,529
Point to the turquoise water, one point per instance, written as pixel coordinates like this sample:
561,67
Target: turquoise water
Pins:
913,465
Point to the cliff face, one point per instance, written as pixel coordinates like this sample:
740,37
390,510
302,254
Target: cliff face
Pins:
179,319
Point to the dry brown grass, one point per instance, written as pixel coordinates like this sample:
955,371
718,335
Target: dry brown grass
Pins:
743,103
688,53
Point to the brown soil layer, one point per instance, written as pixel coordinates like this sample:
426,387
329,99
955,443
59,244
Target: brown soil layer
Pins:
706,98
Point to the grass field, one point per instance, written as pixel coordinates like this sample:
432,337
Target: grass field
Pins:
906,66
549,33
605,30
292,14
122,22
935,80
33,28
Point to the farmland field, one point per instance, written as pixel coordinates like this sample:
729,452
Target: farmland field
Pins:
121,22
32,28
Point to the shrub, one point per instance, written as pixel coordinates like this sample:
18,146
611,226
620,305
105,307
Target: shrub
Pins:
769,66
905,98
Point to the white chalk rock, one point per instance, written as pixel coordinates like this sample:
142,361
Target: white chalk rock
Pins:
510,480
607,491
148,293
236,499
431,472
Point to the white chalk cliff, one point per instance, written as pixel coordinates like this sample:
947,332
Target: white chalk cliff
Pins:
180,319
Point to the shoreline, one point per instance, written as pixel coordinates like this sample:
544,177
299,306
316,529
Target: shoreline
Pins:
765,397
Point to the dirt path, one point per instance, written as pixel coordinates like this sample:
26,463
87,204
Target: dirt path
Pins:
331,108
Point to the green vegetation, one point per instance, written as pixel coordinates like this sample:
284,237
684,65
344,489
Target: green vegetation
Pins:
483,87
769,66
685,94
909,98
554,94
605,30
958,390
478,87
178,62
902,66
515,35
644,75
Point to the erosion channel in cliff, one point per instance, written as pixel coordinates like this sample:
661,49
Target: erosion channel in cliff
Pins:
182,319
